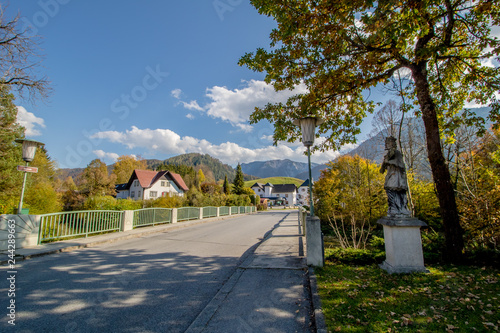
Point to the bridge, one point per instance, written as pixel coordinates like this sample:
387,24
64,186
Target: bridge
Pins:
239,273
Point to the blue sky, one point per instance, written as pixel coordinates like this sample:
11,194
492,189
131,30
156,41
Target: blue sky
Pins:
153,79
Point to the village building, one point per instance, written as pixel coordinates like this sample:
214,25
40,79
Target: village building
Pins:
147,184
303,194
277,195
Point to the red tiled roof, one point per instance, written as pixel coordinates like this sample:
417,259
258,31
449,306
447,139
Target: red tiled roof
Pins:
147,178
178,179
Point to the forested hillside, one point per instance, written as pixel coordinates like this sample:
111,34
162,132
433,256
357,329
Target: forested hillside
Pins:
211,167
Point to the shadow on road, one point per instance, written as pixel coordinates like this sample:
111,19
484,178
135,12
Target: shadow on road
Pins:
114,291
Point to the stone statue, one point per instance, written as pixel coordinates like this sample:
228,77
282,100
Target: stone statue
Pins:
396,184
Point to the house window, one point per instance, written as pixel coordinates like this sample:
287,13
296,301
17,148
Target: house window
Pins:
286,195
136,182
153,194
138,194
162,183
164,194
132,194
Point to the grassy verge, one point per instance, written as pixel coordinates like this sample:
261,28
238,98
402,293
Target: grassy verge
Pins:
364,298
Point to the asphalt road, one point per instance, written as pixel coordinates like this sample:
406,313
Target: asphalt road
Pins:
158,283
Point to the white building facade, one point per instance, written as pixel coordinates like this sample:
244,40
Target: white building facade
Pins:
279,194
147,184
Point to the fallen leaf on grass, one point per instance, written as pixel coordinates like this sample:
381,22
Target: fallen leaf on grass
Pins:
489,324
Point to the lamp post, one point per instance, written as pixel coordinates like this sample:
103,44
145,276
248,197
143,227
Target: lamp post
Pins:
308,126
29,150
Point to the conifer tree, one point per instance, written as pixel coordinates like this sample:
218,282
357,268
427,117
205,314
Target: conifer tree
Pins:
238,181
225,187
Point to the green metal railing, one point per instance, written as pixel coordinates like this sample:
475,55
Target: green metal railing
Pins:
209,212
58,226
224,211
188,213
152,216
78,224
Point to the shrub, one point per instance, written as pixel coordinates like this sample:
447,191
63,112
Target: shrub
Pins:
261,207
433,245
167,202
100,202
354,256
127,204
377,243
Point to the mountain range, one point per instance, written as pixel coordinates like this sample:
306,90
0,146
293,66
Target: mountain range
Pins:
276,168
372,149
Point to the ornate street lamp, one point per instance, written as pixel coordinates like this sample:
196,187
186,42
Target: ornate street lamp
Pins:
29,150
308,126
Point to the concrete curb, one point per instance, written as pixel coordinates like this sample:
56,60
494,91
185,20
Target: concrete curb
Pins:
319,317
81,243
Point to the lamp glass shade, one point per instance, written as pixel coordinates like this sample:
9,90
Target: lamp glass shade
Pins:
308,126
29,149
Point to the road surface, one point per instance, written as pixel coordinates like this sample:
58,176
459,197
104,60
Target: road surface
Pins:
158,283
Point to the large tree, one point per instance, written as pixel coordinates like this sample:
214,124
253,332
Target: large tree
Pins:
125,165
41,196
96,180
340,49
20,58
10,152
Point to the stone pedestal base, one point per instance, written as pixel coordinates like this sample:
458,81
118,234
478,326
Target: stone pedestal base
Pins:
403,245
25,228
314,242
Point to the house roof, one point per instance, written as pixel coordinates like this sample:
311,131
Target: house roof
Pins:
121,187
179,181
147,178
257,185
284,188
306,183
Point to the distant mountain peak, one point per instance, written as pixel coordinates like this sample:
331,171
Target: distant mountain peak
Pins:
275,168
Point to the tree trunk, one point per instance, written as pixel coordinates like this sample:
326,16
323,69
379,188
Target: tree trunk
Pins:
440,172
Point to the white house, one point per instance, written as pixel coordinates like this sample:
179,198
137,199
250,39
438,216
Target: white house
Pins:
279,194
147,184
303,194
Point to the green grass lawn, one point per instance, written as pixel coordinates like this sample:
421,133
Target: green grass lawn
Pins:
275,180
365,298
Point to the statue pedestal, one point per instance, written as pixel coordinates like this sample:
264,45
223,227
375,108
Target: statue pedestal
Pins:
314,242
403,245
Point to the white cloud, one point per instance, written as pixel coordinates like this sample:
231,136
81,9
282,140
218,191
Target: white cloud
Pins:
236,106
176,93
29,121
106,156
267,138
166,142
193,105
189,116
